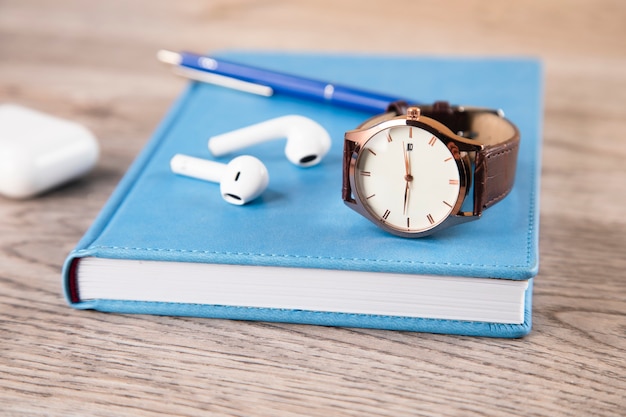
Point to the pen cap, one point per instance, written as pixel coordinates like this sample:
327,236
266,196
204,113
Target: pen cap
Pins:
39,152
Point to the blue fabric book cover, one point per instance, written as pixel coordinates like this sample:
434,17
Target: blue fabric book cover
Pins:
300,230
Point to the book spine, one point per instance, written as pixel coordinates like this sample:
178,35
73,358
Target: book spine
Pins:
126,183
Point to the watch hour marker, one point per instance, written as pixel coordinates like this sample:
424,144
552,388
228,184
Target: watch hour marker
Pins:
371,151
367,198
410,132
447,204
366,173
389,139
408,222
432,141
430,218
386,214
453,182
447,159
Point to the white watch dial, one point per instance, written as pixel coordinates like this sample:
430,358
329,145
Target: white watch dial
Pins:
407,178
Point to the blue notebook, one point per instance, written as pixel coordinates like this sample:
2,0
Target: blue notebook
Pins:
169,245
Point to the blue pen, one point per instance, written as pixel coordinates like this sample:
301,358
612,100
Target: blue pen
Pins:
267,82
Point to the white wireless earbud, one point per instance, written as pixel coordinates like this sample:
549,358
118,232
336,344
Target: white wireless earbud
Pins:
241,180
307,140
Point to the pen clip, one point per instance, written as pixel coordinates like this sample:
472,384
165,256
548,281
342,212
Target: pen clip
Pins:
224,81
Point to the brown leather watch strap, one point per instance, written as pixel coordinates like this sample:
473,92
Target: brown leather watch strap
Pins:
494,173
495,164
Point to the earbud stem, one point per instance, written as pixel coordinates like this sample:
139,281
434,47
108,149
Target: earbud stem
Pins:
244,137
198,168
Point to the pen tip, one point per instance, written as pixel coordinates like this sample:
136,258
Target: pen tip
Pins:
169,57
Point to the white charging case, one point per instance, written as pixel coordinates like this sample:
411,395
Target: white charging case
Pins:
39,152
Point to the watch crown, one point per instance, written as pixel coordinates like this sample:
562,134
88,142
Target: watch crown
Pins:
413,113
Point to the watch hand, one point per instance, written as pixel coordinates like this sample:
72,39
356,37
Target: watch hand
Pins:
407,162
407,177
406,196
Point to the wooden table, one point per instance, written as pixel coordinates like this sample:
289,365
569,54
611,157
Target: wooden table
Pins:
93,62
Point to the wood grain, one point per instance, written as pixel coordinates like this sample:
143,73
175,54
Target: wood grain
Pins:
93,62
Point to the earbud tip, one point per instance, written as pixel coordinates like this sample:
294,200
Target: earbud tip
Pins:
308,150
244,180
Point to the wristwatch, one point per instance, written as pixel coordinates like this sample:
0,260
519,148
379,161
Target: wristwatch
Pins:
415,170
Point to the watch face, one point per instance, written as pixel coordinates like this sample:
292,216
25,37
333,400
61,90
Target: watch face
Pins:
407,178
